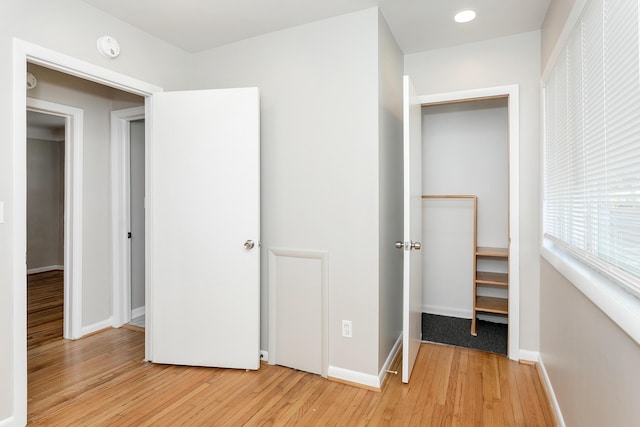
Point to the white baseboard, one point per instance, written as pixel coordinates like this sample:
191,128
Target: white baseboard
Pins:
552,394
447,311
355,377
43,270
86,330
535,356
137,312
8,422
264,355
367,380
390,358
529,356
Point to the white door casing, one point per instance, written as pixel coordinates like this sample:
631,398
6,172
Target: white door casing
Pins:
22,52
205,203
412,262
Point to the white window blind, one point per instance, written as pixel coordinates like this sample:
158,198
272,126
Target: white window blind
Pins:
592,142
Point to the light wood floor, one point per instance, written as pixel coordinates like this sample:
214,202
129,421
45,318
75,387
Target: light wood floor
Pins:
101,380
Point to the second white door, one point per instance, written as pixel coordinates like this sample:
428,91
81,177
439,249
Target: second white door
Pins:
204,228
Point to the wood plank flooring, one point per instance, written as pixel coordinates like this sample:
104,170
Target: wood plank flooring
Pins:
101,380
45,296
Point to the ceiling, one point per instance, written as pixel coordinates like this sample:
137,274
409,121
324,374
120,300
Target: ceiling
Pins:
417,25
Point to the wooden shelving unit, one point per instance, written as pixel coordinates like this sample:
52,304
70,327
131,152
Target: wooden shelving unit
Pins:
490,279
486,304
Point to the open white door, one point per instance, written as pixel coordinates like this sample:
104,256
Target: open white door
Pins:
205,229
412,272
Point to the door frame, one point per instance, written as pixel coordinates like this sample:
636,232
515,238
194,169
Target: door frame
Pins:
73,142
22,52
512,93
121,213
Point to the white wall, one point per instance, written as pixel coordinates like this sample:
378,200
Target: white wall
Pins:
592,363
390,181
465,152
71,27
45,203
319,113
498,62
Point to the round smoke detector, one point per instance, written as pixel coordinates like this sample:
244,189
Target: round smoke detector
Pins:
31,81
108,46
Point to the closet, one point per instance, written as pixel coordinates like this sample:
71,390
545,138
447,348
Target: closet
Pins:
466,213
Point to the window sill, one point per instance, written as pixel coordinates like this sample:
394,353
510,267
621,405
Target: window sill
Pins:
619,305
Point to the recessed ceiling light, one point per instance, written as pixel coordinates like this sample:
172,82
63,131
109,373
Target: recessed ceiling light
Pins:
466,15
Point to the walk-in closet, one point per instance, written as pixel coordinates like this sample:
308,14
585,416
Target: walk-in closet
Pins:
465,182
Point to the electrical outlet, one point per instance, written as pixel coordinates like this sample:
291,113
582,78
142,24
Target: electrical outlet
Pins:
346,329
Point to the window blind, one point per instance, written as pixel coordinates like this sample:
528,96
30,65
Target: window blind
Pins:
591,200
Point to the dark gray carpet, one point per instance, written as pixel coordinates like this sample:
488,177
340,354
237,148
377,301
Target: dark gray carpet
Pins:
491,337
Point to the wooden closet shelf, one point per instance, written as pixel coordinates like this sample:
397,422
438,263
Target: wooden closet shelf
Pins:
492,278
486,251
492,305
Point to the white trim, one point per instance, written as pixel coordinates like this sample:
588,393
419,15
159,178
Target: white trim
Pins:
550,392
323,256
530,356
120,213
73,187
513,94
620,306
536,357
137,312
8,422
447,311
397,347
23,52
105,324
355,377
148,221
45,269
264,355
82,69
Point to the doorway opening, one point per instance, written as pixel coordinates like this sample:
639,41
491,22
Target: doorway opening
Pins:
77,245
136,222
128,216
470,215
62,123
465,207
45,227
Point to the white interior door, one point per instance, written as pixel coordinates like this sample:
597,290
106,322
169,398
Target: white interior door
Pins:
205,228
412,272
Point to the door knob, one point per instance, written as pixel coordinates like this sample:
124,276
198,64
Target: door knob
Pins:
249,244
416,245
399,244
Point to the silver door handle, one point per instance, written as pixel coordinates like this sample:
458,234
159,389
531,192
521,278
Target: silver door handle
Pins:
399,244
416,245
249,244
